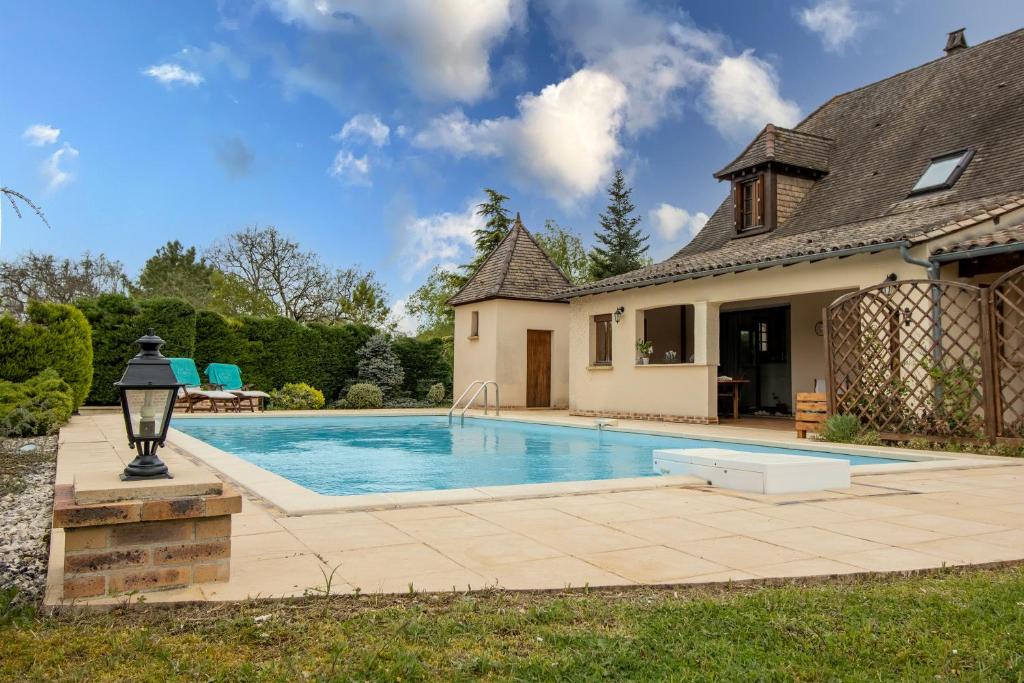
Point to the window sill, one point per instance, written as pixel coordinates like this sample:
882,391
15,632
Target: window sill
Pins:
600,367
750,232
473,337
664,365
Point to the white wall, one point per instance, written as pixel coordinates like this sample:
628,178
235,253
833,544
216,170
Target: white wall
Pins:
500,351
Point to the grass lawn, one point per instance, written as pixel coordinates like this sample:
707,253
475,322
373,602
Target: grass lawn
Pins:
951,625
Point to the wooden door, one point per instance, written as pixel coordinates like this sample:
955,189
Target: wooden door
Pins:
538,368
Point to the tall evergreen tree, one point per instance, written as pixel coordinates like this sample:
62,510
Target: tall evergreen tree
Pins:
497,226
621,244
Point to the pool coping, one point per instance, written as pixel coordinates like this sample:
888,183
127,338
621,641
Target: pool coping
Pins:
293,499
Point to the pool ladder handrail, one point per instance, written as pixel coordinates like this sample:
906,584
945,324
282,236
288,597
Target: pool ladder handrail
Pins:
483,387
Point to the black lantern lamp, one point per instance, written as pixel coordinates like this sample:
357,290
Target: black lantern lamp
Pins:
148,391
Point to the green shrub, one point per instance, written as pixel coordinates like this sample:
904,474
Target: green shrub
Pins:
35,407
55,336
379,365
436,393
296,396
364,396
841,428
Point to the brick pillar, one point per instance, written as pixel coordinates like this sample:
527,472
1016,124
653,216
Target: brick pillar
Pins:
122,539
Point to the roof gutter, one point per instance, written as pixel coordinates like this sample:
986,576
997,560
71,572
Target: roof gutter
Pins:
762,265
978,252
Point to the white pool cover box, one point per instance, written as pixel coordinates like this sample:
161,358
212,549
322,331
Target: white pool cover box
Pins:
755,472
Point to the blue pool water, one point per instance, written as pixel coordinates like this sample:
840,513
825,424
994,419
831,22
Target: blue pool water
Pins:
354,455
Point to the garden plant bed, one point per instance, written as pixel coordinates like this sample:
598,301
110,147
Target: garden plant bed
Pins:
27,469
937,625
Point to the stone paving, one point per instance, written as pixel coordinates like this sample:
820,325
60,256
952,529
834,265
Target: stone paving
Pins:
689,534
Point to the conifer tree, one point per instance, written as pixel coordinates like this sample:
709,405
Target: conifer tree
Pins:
497,226
621,245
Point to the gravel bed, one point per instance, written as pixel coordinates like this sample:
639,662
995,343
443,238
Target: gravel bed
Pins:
27,468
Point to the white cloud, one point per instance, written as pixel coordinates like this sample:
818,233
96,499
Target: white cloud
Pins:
214,56
636,65
743,95
673,223
565,137
568,134
169,74
455,133
40,134
654,55
350,168
835,22
444,237
366,126
443,44
53,173
404,323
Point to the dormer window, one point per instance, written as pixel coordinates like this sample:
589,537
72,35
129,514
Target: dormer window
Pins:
748,197
943,171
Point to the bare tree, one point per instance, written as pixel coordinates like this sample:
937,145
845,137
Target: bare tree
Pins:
13,196
44,277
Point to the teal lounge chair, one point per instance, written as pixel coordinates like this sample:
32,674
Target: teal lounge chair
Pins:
229,378
192,394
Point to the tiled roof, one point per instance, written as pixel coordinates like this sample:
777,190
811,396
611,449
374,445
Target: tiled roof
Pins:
1000,238
783,146
517,269
884,137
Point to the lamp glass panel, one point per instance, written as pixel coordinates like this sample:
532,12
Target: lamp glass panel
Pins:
147,410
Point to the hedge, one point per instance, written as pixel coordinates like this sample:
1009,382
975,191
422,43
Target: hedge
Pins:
55,336
271,352
117,321
426,362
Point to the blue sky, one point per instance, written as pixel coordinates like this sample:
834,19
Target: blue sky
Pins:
366,129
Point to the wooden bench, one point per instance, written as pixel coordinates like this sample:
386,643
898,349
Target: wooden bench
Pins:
811,411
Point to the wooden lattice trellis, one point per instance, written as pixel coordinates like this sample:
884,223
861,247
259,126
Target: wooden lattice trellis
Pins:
930,358
1007,304
906,358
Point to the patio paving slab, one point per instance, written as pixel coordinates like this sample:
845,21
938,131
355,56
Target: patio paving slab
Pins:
687,534
740,552
486,551
552,572
343,537
817,566
819,542
889,559
653,564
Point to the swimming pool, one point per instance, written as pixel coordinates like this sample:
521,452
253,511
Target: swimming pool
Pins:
353,455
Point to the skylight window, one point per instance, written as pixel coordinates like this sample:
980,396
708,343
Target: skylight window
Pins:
943,171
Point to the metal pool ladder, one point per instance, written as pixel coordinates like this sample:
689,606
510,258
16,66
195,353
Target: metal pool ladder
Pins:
481,385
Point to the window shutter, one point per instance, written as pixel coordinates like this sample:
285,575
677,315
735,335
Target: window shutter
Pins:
737,206
759,201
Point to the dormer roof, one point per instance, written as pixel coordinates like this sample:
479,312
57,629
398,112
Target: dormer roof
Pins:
785,147
517,269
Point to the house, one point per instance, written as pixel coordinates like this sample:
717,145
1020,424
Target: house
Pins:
920,175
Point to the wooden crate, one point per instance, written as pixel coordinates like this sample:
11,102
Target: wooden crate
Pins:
811,411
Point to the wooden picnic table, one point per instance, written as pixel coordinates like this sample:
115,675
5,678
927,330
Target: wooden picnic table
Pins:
734,384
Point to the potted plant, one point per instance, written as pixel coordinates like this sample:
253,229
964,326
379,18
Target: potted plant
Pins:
644,348
670,356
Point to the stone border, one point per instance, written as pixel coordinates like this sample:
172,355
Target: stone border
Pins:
294,499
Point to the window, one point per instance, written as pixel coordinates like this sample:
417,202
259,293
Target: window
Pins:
943,171
669,329
748,202
603,339
474,325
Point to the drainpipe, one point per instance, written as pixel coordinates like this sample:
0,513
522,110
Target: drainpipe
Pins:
936,296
